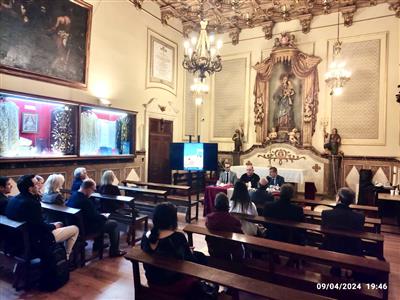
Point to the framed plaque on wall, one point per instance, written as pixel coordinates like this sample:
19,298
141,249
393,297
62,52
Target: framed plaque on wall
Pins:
161,62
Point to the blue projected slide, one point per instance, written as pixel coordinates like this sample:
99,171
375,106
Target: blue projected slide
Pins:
193,156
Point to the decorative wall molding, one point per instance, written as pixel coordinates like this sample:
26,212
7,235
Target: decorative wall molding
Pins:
281,155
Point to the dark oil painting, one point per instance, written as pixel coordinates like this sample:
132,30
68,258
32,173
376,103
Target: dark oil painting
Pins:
46,40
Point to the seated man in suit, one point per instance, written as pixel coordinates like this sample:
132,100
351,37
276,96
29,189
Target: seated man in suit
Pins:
221,220
250,176
283,209
5,188
92,220
274,179
80,174
342,217
260,196
227,176
25,207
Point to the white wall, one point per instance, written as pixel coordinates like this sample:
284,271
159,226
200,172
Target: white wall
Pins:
117,66
366,21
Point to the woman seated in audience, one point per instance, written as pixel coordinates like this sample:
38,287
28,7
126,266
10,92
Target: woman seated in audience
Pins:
221,220
240,203
52,189
40,183
107,184
165,240
108,188
80,174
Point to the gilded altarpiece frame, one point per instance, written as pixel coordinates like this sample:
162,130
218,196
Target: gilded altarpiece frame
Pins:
286,94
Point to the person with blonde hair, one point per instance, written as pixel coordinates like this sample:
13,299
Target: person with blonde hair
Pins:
52,189
108,188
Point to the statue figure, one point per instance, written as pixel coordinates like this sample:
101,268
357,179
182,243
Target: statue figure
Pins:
284,97
273,135
238,138
294,136
333,141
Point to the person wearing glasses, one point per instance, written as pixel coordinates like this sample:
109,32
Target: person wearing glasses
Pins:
94,221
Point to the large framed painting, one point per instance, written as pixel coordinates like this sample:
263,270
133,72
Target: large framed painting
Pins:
161,62
46,40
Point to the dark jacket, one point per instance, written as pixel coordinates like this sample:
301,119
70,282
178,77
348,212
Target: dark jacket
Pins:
260,196
3,203
223,249
26,208
344,218
284,210
76,184
109,189
53,198
254,179
279,180
92,220
175,246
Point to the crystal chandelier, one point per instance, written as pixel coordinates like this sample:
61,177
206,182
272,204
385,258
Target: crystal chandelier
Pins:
199,89
337,75
204,57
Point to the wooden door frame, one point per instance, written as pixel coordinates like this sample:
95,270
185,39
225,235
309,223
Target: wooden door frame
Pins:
169,115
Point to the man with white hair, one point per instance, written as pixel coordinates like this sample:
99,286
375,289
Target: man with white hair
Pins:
80,174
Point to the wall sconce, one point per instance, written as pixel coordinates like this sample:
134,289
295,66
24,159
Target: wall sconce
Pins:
104,102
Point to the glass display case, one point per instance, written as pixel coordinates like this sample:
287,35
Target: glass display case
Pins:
105,132
36,127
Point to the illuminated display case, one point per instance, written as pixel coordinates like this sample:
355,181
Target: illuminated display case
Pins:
105,132
38,127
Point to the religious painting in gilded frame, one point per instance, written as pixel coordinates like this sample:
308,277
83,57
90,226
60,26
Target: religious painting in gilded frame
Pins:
46,40
161,62
30,123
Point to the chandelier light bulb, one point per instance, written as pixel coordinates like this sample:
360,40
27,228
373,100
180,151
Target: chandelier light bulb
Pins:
212,38
213,52
198,101
186,44
193,40
338,91
219,44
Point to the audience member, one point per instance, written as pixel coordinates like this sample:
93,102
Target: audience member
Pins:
80,175
92,220
342,217
52,189
25,208
5,188
165,240
283,209
223,221
227,176
274,179
250,176
108,188
240,203
40,181
260,196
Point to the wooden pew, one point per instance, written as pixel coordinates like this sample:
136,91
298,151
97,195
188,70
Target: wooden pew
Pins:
171,188
73,216
368,210
307,280
226,279
17,230
374,223
133,220
145,191
372,242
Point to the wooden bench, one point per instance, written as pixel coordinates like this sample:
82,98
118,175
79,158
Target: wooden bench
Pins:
304,279
73,216
145,191
17,230
170,188
133,219
372,211
370,223
233,281
372,242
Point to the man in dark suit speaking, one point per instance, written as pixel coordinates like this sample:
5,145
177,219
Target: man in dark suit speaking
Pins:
274,179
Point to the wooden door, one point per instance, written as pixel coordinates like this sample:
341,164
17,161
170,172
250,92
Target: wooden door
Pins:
160,136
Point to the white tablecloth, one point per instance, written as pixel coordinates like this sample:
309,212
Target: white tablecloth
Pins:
290,175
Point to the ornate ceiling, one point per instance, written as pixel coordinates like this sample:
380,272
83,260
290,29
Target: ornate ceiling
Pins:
231,16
